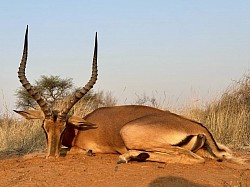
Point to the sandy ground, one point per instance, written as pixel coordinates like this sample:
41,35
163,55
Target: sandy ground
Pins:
101,170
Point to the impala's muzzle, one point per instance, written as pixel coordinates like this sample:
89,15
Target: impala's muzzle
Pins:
54,129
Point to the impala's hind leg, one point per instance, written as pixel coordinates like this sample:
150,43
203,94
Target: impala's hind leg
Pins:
192,142
199,143
171,155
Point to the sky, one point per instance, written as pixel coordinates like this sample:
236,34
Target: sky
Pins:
179,52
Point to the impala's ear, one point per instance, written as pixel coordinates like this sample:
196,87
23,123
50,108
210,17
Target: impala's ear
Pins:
78,122
31,114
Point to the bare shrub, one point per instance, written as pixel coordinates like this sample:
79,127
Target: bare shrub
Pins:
152,100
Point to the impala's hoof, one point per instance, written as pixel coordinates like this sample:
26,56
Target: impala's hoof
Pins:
89,152
142,157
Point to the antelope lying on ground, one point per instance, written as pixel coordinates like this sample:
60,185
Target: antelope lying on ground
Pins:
135,132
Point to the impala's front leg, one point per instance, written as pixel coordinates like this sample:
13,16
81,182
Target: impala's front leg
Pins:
133,155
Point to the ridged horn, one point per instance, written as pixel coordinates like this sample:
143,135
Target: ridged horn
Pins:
80,93
25,83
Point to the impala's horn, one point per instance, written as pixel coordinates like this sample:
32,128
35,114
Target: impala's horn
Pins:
80,93
25,83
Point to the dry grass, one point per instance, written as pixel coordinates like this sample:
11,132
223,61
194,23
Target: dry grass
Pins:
21,136
228,118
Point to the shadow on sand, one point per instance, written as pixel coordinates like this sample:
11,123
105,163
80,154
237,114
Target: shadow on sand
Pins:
173,181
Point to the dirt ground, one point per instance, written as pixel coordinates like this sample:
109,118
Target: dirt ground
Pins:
101,170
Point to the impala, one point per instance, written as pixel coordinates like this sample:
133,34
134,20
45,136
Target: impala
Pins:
135,132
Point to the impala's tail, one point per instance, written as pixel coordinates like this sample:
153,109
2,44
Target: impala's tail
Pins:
230,157
220,151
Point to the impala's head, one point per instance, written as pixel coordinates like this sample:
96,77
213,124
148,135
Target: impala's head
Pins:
54,121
